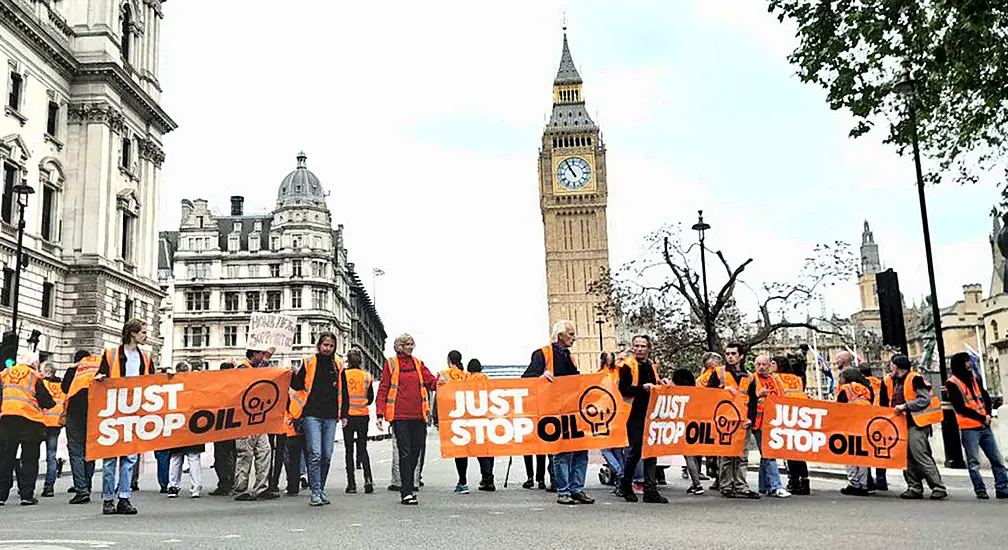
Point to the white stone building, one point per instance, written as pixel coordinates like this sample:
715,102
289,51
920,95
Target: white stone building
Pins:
82,126
220,268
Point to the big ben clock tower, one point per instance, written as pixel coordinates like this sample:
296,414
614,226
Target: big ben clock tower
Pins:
572,195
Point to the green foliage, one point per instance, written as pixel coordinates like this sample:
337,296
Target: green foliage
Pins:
956,52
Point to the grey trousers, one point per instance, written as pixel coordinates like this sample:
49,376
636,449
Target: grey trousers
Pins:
920,462
732,472
693,468
396,479
857,476
254,453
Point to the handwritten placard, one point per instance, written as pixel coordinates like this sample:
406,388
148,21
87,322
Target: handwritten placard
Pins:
271,330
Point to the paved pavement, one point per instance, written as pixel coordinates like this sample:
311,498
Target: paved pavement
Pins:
510,518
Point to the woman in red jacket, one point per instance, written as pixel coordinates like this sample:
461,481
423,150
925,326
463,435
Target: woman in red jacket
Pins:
403,400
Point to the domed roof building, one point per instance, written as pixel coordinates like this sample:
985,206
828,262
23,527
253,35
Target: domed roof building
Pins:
301,187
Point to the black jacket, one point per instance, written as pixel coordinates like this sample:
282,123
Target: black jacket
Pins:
322,401
958,401
563,365
641,397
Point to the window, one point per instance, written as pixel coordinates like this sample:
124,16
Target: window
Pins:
237,227
196,337
116,304
316,242
230,336
198,270
320,299
257,226
52,118
297,334
274,242
126,245
252,301
994,325
318,269
273,299
253,242
198,300
317,329
296,241
296,297
230,301
233,243
253,270
8,285
48,213
274,270
124,40
14,89
232,272
47,297
295,268
128,309
127,154
7,208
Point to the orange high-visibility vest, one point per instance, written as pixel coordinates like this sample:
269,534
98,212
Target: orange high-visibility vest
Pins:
19,397
793,386
634,366
857,394
774,386
972,400
394,388
478,376
612,372
547,352
926,417
52,417
728,381
358,383
84,375
887,383
455,374
289,429
309,363
112,360
704,377
876,386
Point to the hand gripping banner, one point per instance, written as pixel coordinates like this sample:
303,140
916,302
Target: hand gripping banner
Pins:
530,416
689,421
834,433
148,413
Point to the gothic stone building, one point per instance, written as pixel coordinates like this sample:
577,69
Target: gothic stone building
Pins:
81,125
221,268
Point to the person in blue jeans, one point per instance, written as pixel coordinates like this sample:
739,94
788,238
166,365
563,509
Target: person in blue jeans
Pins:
549,361
972,405
318,384
51,419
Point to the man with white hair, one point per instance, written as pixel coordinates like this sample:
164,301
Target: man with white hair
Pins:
551,361
22,400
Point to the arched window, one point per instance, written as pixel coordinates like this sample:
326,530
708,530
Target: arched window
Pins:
994,330
127,23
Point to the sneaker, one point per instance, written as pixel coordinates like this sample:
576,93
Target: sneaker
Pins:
704,477
368,488
393,487
108,507
125,508
351,490
629,496
325,499
245,497
566,499
939,494
80,499
488,487
316,501
751,495
654,497
135,487
48,492
462,489
410,500
541,485
194,495
911,495
781,493
695,490
583,498
173,492
29,501
304,482
165,490
551,488
529,484
983,496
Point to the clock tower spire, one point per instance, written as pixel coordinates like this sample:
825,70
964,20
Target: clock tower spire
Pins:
573,195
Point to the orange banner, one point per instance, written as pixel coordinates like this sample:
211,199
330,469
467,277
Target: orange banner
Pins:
148,413
528,416
689,421
835,433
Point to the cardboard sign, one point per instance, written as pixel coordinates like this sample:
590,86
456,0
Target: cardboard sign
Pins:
271,330
689,421
148,413
530,416
834,433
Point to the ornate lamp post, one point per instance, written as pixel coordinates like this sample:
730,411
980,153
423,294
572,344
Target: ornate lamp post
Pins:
701,227
22,190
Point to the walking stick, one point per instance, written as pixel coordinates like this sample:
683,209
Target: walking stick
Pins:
507,474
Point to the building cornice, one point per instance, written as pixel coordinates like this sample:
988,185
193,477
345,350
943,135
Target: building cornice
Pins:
35,35
116,75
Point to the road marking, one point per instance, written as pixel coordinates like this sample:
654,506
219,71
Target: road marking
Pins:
54,520
90,543
454,516
172,540
537,509
297,530
231,537
355,525
497,513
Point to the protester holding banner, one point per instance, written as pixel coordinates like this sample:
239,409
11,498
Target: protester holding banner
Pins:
455,373
765,384
912,394
732,475
225,457
486,463
24,398
190,455
637,377
711,361
123,361
791,370
614,457
358,393
318,382
253,452
856,390
403,401
53,419
972,405
76,381
552,360
879,479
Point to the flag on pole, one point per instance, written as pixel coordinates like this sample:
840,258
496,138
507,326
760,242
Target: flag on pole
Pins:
378,272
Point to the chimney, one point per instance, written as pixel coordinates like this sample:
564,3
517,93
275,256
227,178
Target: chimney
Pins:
236,205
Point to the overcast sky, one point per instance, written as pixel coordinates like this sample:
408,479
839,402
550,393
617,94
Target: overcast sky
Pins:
423,120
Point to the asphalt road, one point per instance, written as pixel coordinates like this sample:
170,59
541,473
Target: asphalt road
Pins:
510,518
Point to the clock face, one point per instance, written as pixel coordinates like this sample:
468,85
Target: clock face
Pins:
573,173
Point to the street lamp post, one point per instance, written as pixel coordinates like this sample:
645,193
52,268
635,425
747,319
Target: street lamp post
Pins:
600,322
701,227
22,191
950,428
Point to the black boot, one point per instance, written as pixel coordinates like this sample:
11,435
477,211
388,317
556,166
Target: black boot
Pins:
803,487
